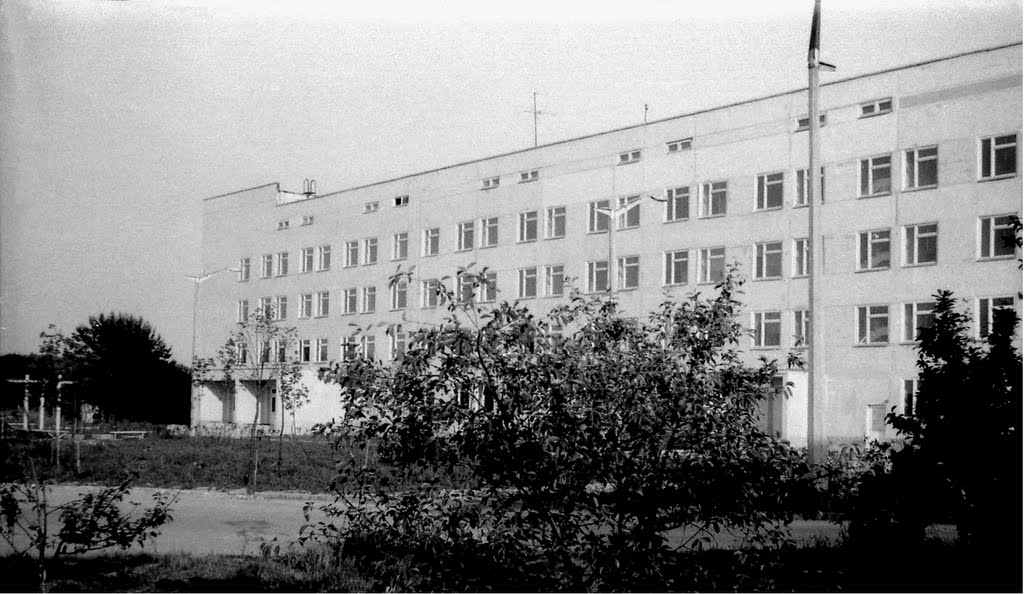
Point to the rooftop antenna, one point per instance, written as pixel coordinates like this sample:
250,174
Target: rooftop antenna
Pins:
536,112
645,114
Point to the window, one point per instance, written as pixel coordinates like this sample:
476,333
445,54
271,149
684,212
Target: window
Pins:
677,204
281,263
628,157
678,146
280,307
909,396
368,346
529,176
769,191
243,311
348,302
278,351
401,201
711,265
873,324
528,226
305,351
397,335
712,199
804,123
429,293
371,207
267,307
489,287
630,218
677,267
554,280
323,258
554,222
398,294
321,350
466,235
997,236
266,266
628,272
431,241
400,246
597,276
369,299
768,260
873,250
244,268
351,254
915,317
306,260
599,216
800,250
307,220
491,182
527,283
921,244
348,349
875,176
306,305
465,287
323,304
998,156
876,107
489,232
986,312
767,329
802,190
921,168
801,327
282,225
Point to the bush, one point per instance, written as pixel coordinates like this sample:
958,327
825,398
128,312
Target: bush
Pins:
585,445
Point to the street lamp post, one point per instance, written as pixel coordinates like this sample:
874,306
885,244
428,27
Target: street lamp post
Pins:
196,281
613,215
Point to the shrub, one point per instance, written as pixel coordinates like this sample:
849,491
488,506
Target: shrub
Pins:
584,446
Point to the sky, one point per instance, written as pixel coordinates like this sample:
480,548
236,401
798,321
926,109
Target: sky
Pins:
118,117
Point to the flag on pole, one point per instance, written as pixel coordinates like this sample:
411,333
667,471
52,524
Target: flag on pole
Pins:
814,47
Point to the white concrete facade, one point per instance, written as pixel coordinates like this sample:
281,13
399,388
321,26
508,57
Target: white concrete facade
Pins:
961,106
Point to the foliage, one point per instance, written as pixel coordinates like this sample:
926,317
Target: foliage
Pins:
259,352
95,521
961,445
585,445
117,362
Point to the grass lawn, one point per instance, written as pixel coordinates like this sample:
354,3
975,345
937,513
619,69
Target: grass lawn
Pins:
307,464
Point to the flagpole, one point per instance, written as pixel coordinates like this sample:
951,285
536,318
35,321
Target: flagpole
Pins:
816,387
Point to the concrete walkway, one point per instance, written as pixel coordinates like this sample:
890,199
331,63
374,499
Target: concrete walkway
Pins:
208,521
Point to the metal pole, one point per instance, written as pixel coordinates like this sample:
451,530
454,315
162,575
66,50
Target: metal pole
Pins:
56,421
193,412
816,387
42,411
24,418
535,118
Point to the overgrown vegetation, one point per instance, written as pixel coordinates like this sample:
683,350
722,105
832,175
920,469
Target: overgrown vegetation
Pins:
959,456
37,530
585,445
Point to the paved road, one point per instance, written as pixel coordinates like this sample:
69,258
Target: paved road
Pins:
235,523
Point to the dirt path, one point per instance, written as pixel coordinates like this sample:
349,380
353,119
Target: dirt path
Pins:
235,523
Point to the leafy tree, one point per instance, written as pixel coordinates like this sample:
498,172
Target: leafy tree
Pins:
35,528
124,368
583,447
259,351
962,438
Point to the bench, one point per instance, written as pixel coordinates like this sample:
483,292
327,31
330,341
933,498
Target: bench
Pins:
129,434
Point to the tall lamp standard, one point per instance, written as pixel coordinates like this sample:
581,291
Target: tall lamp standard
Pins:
613,216
196,281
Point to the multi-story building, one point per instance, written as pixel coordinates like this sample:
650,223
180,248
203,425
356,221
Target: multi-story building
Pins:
921,183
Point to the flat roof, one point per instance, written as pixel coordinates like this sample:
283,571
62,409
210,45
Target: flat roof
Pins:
635,126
